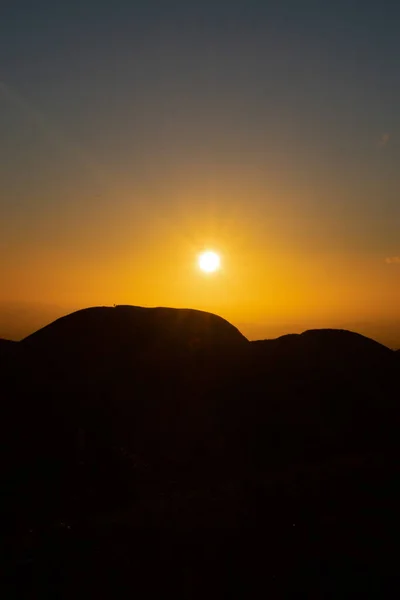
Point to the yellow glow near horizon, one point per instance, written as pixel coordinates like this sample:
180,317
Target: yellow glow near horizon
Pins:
209,261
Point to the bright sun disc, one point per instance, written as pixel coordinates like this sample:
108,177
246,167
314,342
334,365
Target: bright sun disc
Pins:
209,261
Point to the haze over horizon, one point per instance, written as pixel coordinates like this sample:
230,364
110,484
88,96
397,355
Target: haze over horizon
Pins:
133,135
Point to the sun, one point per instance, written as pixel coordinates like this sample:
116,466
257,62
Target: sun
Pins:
209,261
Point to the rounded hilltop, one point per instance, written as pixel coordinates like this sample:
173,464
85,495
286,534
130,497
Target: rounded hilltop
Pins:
336,348
136,328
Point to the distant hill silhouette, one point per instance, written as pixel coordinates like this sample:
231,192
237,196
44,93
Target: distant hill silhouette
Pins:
331,339
132,424
336,348
19,319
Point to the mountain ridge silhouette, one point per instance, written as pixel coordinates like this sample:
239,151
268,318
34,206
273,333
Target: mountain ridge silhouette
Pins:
194,312
127,423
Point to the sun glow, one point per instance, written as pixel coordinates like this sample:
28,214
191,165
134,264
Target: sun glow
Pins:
209,261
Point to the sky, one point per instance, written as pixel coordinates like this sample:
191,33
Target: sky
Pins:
133,135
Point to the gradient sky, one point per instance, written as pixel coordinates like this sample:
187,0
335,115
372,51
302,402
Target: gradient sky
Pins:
135,134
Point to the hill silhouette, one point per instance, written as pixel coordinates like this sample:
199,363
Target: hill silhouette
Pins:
334,344
159,436
6,345
103,330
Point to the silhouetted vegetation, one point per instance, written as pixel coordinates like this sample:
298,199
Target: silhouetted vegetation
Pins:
153,446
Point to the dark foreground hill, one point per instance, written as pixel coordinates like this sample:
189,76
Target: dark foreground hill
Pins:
155,447
133,328
6,347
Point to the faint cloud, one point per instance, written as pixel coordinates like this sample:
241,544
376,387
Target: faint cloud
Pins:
384,140
393,260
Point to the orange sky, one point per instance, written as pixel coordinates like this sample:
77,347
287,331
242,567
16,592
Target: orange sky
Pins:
277,267
133,138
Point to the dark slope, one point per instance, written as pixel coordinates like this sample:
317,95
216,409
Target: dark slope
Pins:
4,342
133,328
335,389
147,377
7,347
323,346
169,443
104,384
